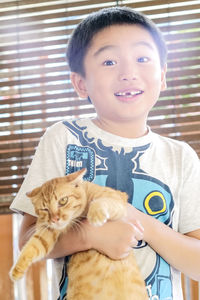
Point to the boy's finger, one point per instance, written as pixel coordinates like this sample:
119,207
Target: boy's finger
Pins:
138,232
139,225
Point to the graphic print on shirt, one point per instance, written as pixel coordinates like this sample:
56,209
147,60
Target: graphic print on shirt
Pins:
107,166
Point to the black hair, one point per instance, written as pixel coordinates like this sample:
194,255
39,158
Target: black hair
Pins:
83,34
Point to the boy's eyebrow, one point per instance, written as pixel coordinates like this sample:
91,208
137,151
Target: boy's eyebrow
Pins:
103,49
143,43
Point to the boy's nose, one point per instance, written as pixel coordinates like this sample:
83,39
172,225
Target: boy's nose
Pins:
128,74
126,77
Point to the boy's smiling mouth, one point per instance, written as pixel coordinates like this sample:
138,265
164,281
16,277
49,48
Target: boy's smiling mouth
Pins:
126,94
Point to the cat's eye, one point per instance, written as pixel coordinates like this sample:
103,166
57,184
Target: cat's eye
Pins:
44,209
63,201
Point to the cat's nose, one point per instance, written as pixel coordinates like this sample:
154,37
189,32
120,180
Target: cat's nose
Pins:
55,218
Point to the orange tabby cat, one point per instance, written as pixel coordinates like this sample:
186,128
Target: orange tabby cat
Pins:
61,203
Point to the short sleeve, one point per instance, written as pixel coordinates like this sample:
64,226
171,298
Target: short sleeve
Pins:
48,162
189,218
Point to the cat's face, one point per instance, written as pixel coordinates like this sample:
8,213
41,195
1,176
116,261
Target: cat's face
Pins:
59,202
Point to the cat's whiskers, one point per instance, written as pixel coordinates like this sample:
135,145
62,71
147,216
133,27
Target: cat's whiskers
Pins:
77,226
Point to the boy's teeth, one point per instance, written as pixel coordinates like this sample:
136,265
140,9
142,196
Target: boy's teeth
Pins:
128,93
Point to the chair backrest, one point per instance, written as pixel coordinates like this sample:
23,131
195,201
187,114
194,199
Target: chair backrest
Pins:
191,289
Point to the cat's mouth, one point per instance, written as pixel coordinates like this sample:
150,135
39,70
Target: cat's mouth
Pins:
59,225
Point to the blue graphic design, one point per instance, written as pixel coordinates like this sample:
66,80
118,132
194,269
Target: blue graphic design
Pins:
120,170
153,197
64,280
80,157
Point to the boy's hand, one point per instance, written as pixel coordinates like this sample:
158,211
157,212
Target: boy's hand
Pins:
115,238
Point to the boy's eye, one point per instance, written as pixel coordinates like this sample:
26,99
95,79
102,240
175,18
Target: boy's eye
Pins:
109,63
143,59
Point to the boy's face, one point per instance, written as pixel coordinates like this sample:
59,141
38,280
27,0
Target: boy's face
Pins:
123,76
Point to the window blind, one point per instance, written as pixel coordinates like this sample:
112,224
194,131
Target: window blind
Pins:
35,90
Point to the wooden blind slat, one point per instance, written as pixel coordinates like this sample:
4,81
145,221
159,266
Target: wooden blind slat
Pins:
25,152
68,6
30,98
85,10
10,172
25,29
17,145
46,115
44,106
173,120
16,163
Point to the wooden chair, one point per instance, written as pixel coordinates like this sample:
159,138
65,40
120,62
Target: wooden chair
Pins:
191,289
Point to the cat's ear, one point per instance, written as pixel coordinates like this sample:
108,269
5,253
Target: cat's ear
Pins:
33,193
77,177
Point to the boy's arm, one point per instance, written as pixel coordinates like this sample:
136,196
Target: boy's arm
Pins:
180,251
114,239
63,248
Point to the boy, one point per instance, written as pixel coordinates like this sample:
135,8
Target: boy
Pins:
117,59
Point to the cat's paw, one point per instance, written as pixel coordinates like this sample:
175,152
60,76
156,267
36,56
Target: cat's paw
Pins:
97,215
16,274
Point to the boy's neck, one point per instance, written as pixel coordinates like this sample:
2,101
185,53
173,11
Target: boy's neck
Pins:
126,130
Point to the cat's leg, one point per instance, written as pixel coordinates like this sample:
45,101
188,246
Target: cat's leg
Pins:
106,208
38,246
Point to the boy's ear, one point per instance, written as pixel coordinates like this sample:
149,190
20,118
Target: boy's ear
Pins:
163,78
78,83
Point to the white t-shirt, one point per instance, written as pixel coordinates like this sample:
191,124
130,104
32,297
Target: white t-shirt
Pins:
160,175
